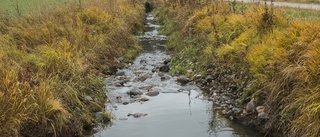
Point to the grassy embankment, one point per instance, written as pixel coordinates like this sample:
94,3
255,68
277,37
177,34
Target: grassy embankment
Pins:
51,61
299,1
268,55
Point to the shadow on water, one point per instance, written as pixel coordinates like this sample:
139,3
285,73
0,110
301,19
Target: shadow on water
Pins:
177,111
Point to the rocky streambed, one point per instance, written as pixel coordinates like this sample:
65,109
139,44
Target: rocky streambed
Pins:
147,101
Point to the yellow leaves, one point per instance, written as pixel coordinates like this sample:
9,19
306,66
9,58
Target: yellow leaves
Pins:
204,25
95,16
224,50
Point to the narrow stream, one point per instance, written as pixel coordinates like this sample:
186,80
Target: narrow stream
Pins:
177,111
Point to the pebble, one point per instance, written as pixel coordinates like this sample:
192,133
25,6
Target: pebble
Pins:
120,73
125,103
209,78
260,109
88,98
96,130
152,93
237,110
183,80
263,116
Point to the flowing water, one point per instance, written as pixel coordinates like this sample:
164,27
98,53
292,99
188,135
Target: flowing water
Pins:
178,111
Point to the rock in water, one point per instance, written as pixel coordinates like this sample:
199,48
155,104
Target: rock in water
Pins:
137,115
167,61
142,100
134,92
142,77
183,80
164,68
152,93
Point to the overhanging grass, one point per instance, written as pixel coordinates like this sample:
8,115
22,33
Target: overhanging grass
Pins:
51,62
273,55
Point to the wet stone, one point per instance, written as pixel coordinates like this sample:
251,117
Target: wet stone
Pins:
156,69
146,87
152,93
143,100
183,80
137,115
143,61
125,103
164,68
134,92
167,61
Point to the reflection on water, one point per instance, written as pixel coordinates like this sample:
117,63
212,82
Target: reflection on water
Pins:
178,111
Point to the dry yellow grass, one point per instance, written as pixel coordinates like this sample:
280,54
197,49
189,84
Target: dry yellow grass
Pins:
278,54
51,61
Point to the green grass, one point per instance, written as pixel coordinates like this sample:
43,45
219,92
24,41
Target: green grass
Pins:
24,7
299,1
301,14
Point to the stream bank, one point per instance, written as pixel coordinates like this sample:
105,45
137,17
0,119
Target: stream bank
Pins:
254,61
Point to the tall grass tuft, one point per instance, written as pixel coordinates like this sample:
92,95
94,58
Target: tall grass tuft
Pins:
273,58
51,63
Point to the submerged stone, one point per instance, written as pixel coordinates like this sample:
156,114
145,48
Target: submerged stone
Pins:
137,115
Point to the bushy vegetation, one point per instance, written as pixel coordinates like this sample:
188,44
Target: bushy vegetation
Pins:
273,58
51,62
